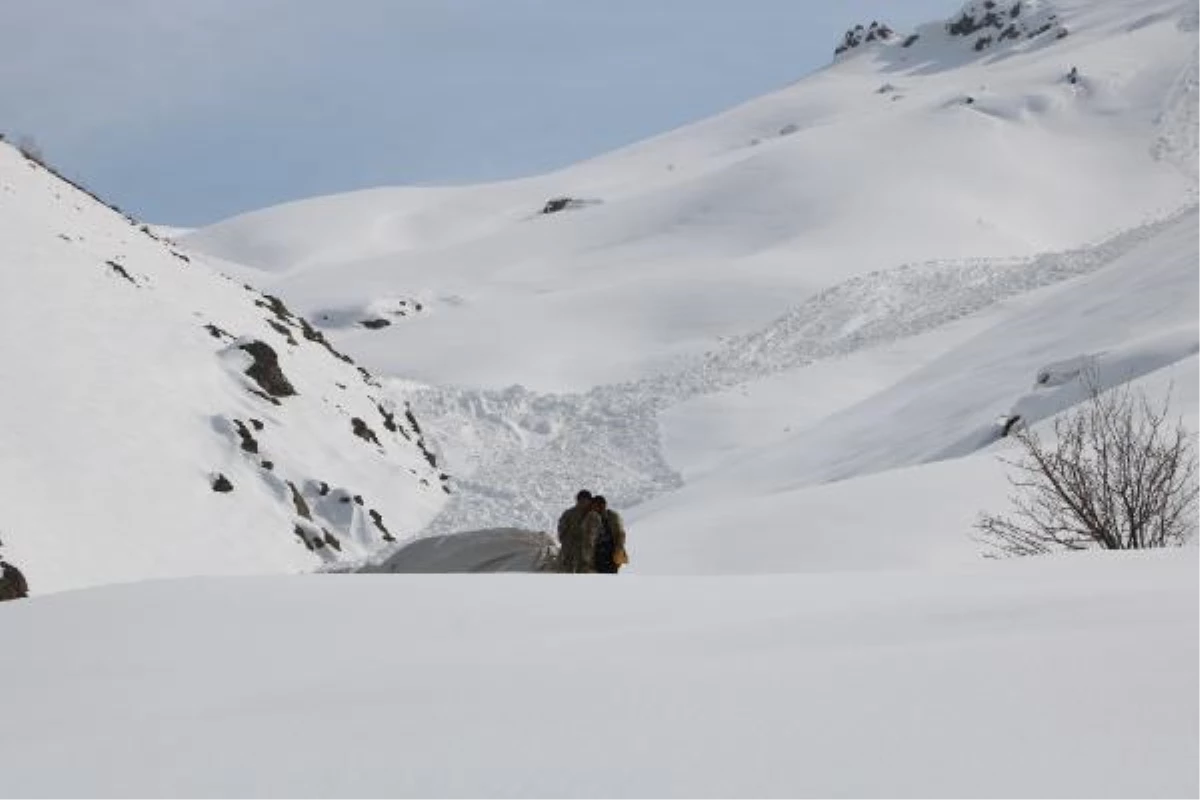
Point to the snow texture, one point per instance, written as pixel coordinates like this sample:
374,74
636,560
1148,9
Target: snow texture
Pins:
996,680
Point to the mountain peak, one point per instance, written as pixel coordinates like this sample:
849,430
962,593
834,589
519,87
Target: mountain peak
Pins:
978,25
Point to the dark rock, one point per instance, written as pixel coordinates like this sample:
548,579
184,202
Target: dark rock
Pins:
358,499
1003,21
363,431
273,304
859,35
221,484
332,541
313,335
910,40
216,332
299,502
556,204
120,270
303,536
256,424
389,421
377,518
1009,423
283,331
268,465
265,370
323,489
249,443
374,324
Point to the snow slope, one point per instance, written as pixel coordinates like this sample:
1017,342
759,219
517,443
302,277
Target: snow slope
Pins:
892,155
1132,320
1057,677
921,190
128,402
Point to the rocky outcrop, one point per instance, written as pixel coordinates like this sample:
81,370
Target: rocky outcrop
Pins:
860,35
985,23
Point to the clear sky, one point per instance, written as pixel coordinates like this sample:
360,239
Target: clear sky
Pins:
187,111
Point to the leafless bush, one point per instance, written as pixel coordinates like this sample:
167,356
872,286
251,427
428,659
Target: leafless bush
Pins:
1117,474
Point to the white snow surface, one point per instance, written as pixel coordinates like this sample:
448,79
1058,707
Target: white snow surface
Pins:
1072,677
121,407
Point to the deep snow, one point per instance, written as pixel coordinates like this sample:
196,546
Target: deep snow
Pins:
1044,677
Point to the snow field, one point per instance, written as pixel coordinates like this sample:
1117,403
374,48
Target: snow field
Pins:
996,679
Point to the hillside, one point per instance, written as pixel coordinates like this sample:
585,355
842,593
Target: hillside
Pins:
162,421
915,189
892,155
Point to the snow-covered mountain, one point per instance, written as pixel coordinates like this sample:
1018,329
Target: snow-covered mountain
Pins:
892,155
160,420
566,321
786,342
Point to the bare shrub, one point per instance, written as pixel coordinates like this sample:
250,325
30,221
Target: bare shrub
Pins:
1117,474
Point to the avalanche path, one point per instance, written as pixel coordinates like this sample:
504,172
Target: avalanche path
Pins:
519,456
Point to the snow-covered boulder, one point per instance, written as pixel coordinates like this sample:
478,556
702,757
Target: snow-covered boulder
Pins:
491,550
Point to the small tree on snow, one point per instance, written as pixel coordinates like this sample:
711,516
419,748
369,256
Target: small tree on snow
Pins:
1117,474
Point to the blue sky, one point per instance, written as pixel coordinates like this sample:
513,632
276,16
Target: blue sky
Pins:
188,111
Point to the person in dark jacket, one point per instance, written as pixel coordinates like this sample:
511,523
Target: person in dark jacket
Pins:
610,542
578,528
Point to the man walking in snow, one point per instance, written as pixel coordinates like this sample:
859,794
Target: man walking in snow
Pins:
578,528
610,543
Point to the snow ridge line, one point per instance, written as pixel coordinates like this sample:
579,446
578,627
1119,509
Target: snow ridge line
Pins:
533,451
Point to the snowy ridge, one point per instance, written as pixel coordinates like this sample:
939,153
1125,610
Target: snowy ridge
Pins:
166,421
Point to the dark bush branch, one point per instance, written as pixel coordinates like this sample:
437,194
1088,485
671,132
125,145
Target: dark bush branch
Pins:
1116,474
